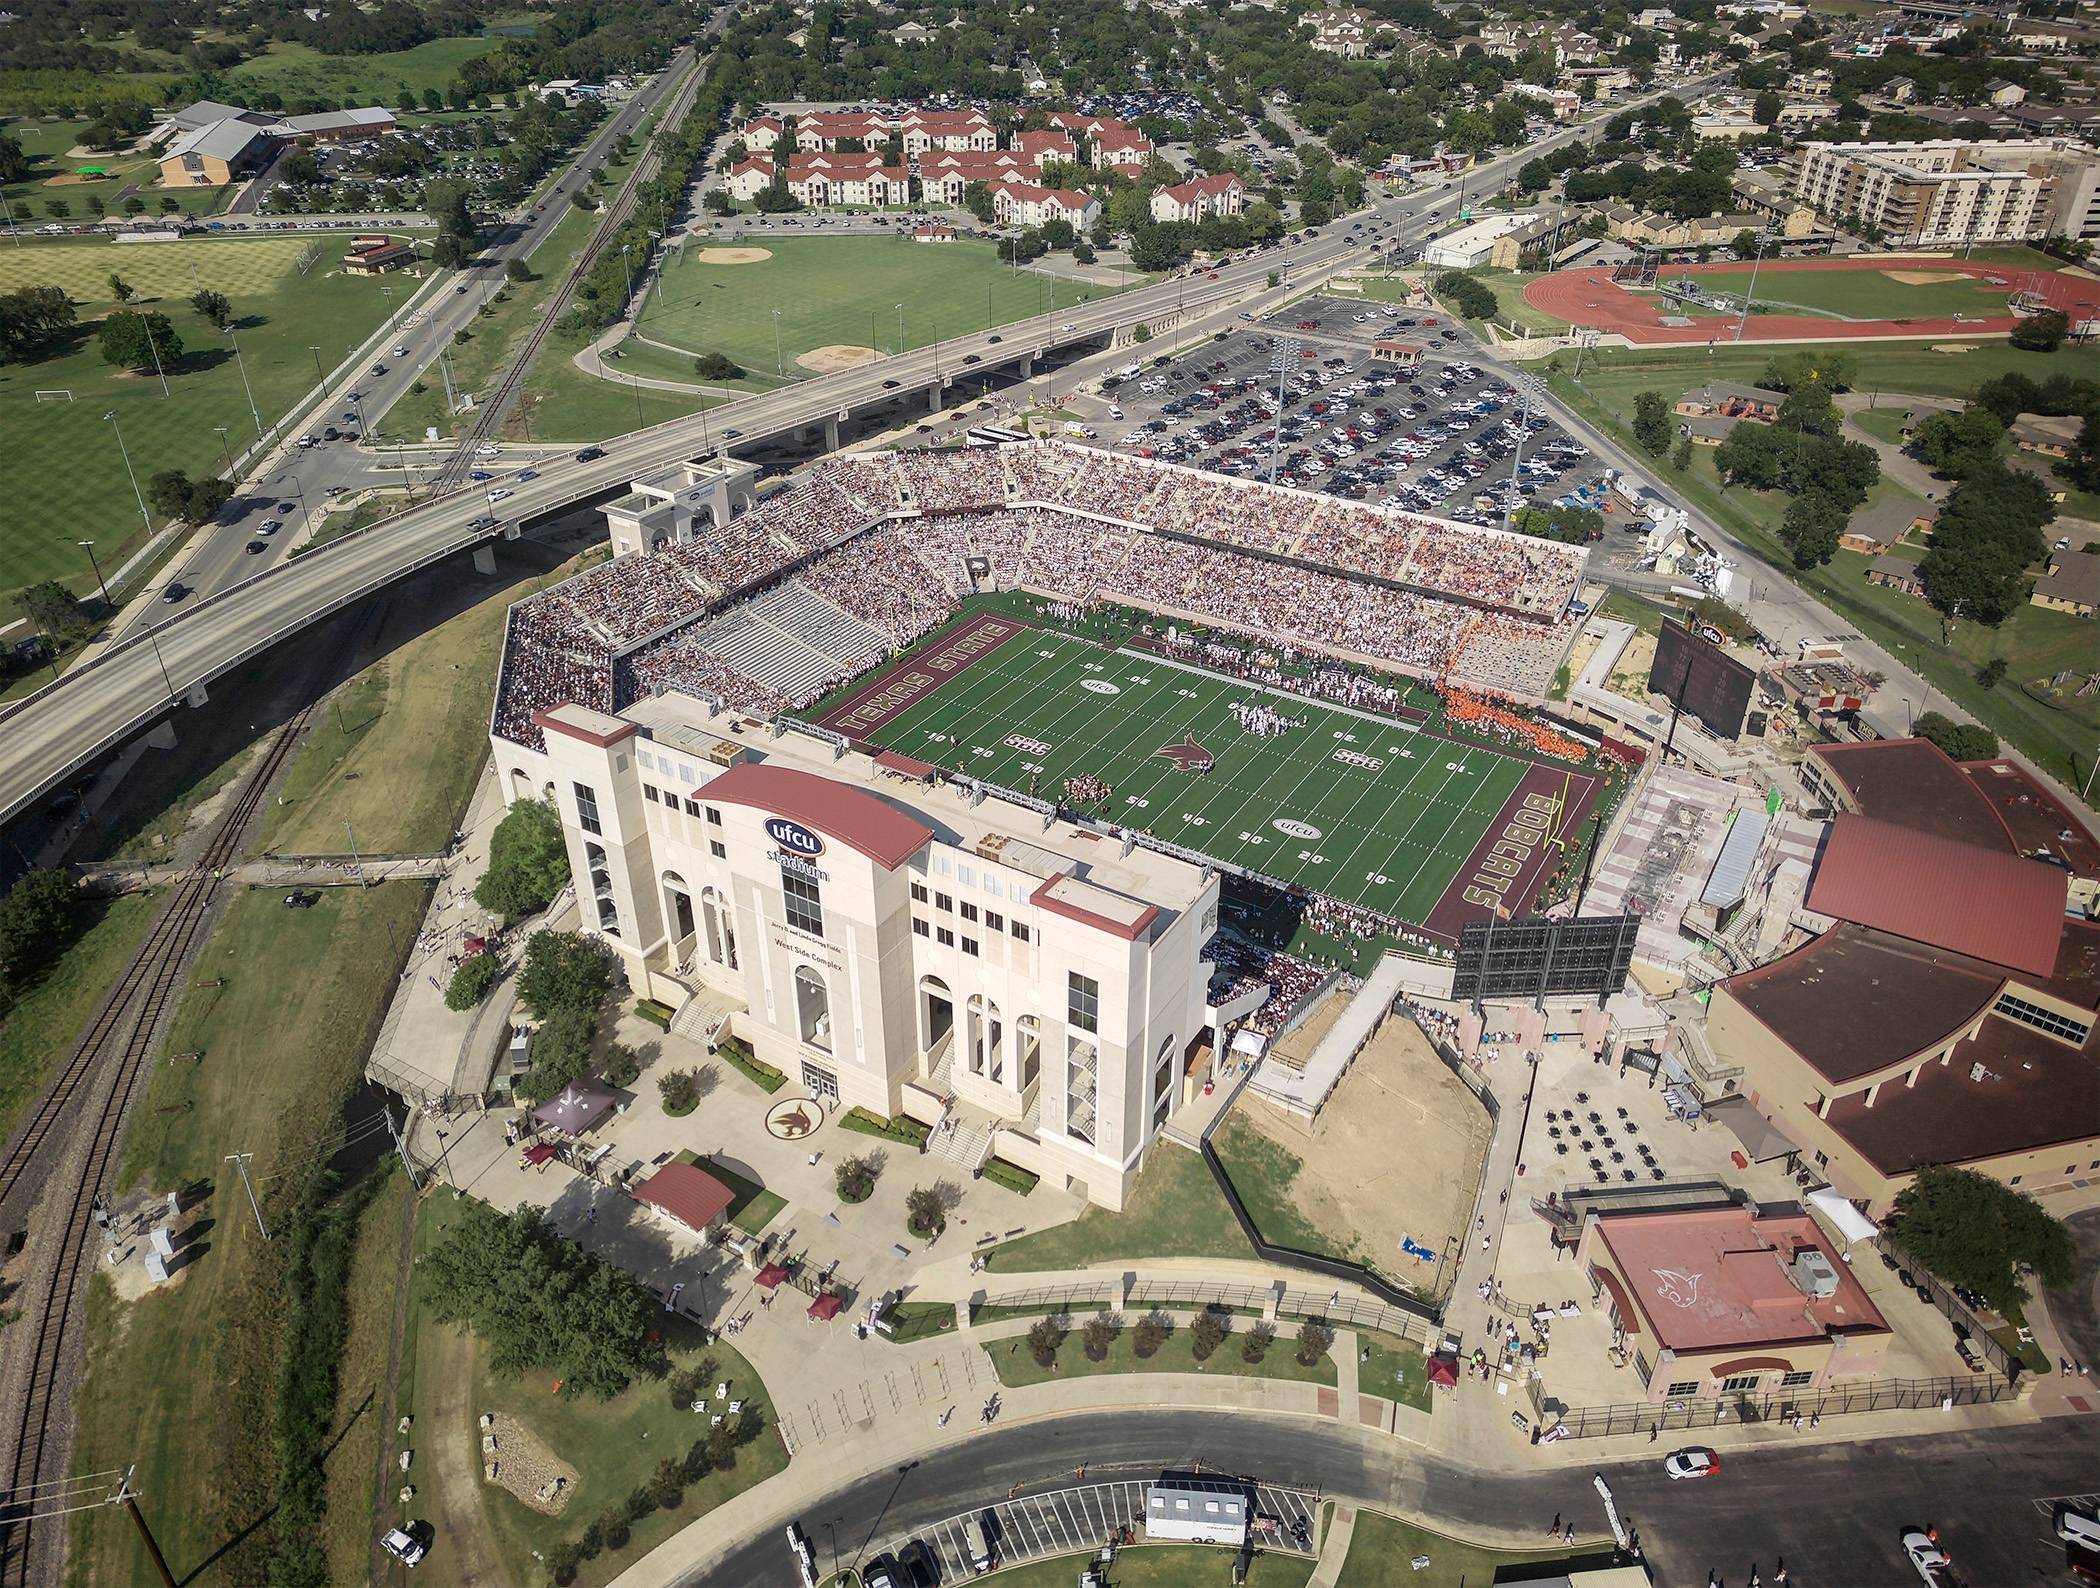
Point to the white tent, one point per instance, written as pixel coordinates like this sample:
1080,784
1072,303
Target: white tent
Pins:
1851,1224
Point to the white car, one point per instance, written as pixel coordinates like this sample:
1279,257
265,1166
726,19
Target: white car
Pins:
1933,1565
403,1546
2075,1526
1695,1462
498,492
488,449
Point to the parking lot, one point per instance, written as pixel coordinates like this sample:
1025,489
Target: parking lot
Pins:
1442,439
1084,1517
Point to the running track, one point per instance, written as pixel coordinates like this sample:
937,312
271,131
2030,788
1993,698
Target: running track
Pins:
1589,297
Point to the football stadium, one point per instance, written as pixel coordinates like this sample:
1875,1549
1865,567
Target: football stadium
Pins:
1324,697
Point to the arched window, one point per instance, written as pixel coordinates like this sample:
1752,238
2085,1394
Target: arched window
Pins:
601,888
678,909
936,1012
812,1007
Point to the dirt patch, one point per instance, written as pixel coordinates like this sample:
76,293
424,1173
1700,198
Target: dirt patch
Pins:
1953,347
1924,278
1630,677
835,356
732,256
1396,1153
73,179
451,1498
517,1459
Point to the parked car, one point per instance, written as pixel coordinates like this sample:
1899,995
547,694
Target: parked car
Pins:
1695,1462
404,1546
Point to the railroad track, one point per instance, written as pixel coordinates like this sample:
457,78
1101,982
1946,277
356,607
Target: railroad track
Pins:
117,1044
489,415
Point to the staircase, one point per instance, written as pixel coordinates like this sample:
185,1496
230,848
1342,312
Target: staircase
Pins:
698,1018
963,1146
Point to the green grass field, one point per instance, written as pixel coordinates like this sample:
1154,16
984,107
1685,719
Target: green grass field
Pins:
1857,294
299,71
844,292
1390,836
61,472
1614,376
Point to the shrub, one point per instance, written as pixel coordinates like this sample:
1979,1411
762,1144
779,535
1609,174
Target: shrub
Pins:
1012,1176
1206,1334
622,1065
1100,1333
1255,1343
1044,1339
658,1015
1150,1334
680,1093
1313,1340
698,1463
855,1176
562,1561
471,982
761,1074
612,1527
717,366
722,1441
908,1131
667,1486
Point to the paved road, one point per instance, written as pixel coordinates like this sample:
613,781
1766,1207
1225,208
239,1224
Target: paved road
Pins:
1831,1511
100,703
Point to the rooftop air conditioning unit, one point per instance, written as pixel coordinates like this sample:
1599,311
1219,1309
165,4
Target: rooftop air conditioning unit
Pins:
1814,1275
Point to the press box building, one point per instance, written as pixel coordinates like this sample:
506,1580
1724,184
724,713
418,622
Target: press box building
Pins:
885,938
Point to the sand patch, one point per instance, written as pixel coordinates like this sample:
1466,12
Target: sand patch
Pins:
1924,278
1396,1153
517,1459
1953,347
732,256
835,356
74,179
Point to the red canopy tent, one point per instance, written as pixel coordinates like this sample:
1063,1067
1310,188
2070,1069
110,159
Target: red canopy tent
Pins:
474,945
1443,1371
770,1276
825,1308
538,1153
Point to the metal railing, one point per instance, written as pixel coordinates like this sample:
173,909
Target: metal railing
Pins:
1943,1299
1176,1295
1784,1406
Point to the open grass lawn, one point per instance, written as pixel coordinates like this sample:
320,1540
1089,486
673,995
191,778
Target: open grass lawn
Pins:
1393,1368
1382,1551
1163,1566
281,1040
44,1025
1262,1172
385,753
2056,729
843,291
562,402
1859,294
1017,1368
1614,376
375,1267
1883,424
1175,1210
62,472
917,1320
1391,829
298,71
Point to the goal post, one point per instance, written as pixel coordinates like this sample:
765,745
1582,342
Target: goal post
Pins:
57,394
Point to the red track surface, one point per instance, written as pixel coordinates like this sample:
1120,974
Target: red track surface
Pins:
1589,297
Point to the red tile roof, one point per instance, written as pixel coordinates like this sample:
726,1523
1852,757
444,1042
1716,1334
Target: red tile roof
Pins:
1987,904
856,819
688,1193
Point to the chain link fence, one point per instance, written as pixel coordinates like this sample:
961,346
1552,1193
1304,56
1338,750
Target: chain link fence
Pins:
1783,1406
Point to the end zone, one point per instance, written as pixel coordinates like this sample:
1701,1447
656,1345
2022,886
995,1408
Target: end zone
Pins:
902,685
1504,874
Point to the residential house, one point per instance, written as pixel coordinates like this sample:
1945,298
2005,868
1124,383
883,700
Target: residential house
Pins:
1191,202
955,131
1038,149
1019,203
1873,530
760,133
943,177
2071,584
829,130
749,178
1896,573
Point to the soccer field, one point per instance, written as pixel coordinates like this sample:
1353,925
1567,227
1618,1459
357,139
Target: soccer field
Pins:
1369,810
1863,294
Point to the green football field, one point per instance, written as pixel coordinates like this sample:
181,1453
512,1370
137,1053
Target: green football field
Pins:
1365,809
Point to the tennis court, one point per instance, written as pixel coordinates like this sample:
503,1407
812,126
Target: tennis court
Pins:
1368,810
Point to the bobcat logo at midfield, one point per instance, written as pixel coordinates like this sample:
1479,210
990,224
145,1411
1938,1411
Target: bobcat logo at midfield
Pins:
1188,755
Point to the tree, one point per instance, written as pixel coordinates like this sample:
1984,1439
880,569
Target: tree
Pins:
1681,454
1991,672
168,493
1149,1335
450,253
855,1176
139,341
563,971
1959,444
717,366
14,165
517,271
560,1053
1964,741
1044,1337
528,862
1651,423
1811,528
38,918
2084,463
1977,1232
1831,370
51,609
214,307
680,1091
31,317
1745,244
1313,1340
924,1212
120,289
134,205
471,982
1255,1343
977,199
1206,1334
622,1065
2043,332
667,1483
1765,108
1099,1336
539,1302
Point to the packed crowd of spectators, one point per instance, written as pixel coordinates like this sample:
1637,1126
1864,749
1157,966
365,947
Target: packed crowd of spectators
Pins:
551,657
880,581
1352,923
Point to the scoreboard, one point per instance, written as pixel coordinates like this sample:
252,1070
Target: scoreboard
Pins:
1702,680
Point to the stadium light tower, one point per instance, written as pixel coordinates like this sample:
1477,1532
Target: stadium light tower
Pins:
1529,386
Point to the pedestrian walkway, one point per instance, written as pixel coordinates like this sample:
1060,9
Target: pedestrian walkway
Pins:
1334,1547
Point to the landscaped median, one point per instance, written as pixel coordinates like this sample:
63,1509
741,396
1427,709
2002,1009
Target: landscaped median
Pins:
902,1129
736,1053
1157,1343
1383,1550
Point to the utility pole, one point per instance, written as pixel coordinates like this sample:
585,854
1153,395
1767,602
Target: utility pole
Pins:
242,364
356,864
445,373
240,1161
128,1497
400,1146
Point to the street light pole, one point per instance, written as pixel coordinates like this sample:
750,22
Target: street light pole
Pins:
242,364
103,584
226,447
1749,297
125,451
779,363
900,330
315,349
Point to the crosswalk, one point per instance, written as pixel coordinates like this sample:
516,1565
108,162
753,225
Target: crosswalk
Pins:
1084,1517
